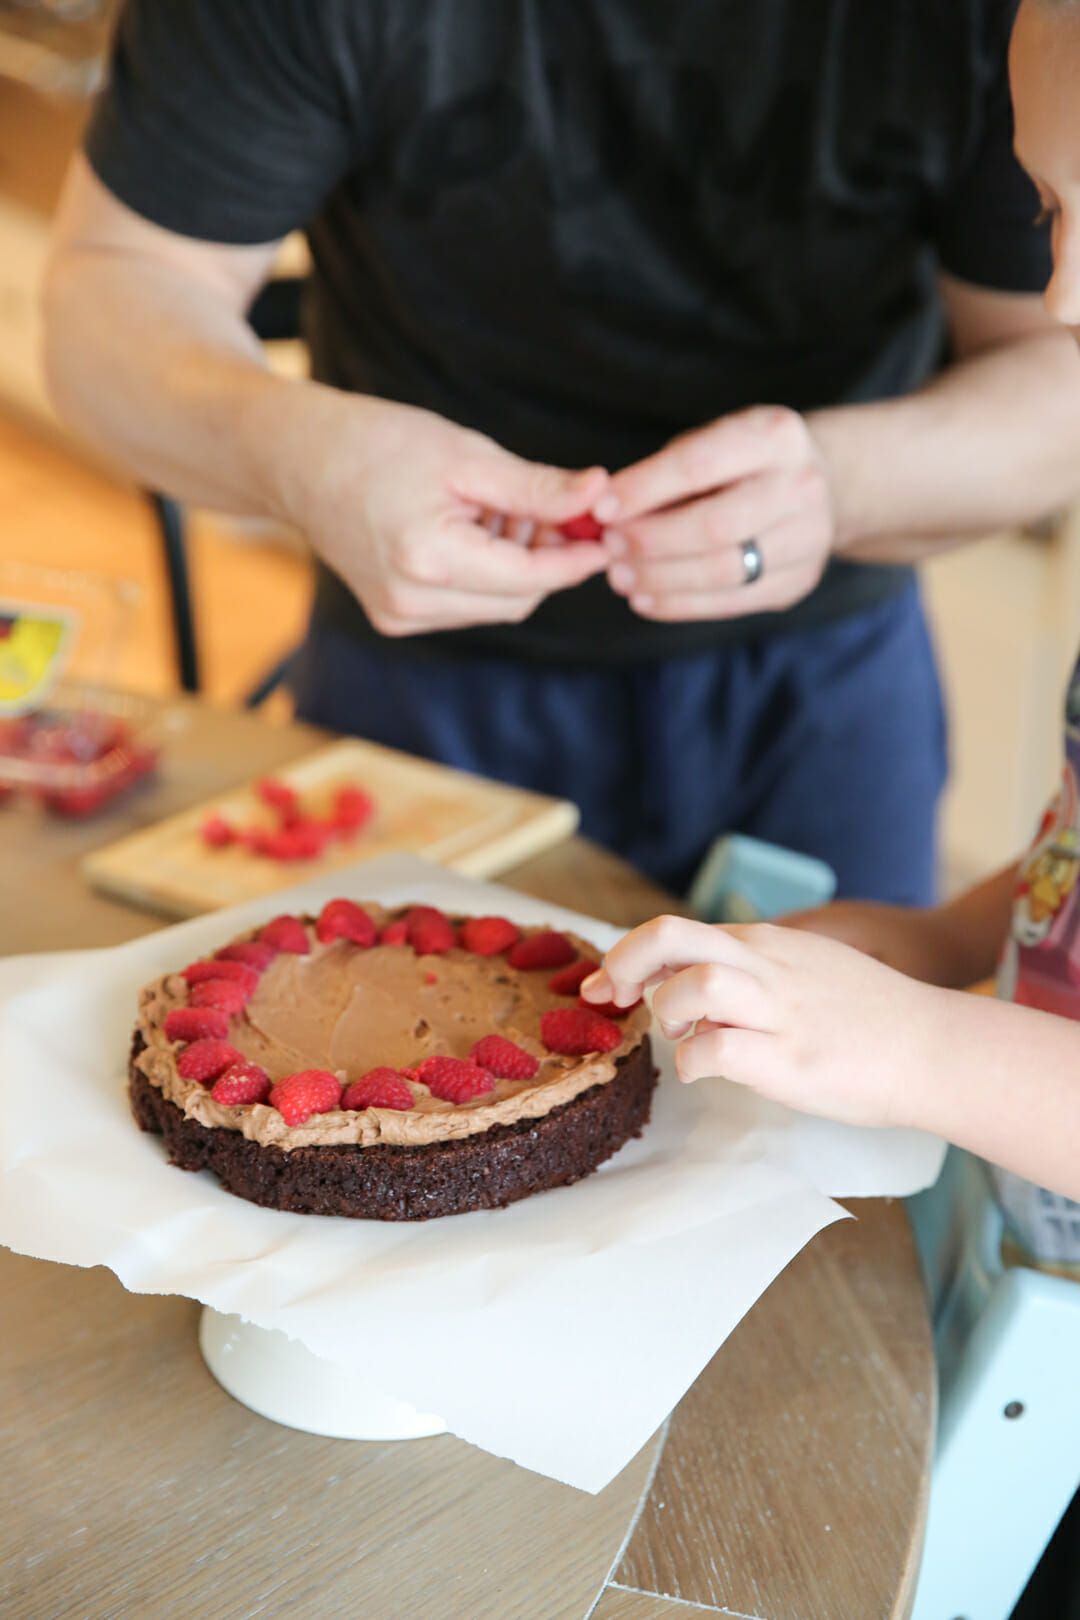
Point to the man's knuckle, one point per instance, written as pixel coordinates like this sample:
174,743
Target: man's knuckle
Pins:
811,485
694,457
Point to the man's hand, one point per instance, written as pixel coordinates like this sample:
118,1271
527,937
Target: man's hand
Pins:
399,501
803,1020
677,521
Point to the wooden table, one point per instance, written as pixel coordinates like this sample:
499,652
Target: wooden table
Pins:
789,1484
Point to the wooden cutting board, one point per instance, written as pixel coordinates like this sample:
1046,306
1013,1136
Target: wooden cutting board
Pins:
465,822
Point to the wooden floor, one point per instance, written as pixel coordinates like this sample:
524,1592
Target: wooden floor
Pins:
56,512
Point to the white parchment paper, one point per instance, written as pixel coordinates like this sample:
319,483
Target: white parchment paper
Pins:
559,1332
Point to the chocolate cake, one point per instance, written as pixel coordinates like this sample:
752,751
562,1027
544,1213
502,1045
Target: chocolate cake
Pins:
389,1065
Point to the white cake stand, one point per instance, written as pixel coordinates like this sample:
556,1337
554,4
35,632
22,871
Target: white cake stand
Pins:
283,1380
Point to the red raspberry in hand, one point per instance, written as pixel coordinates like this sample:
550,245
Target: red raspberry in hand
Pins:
504,1059
543,950
205,1060
223,994
395,933
344,919
584,527
379,1088
575,1032
489,936
286,934
195,1024
453,1079
241,1083
311,1091
238,972
430,931
217,832
567,980
255,953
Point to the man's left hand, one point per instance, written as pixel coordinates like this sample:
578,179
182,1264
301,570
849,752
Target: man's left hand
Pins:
678,536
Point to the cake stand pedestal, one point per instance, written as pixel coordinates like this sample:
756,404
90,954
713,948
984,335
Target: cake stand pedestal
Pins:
283,1380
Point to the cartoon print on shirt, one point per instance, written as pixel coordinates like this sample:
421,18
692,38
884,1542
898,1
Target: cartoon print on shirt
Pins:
1041,963
1048,874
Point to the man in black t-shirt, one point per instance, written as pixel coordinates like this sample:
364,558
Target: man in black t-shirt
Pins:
713,254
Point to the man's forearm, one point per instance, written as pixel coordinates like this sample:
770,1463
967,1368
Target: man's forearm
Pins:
164,376
994,441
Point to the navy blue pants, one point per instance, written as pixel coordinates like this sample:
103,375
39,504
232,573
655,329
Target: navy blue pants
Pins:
829,740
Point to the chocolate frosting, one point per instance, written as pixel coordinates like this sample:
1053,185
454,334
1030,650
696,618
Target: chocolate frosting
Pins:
350,1010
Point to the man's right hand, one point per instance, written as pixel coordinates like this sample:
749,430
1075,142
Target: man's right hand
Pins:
399,501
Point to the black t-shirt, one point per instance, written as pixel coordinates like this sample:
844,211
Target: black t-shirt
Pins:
584,226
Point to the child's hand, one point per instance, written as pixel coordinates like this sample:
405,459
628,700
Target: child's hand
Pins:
801,1019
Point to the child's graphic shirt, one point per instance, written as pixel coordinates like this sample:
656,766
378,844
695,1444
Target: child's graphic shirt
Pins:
1040,967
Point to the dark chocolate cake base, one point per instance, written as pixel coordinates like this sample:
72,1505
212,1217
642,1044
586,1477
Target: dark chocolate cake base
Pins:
388,1183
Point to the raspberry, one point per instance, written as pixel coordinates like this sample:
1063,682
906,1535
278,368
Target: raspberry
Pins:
311,1091
286,934
195,1024
223,994
430,932
379,1088
395,933
584,527
431,978
544,950
344,919
205,1060
574,1032
256,953
503,1059
217,832
241,1083
352,809
238,972
280,797
301,840
453,1079
489,936
607,1009
567,980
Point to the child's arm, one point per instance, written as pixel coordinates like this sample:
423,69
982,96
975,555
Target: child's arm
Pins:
815,1024
954,945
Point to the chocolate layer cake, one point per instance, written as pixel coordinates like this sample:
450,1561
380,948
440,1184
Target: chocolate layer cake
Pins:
389,1065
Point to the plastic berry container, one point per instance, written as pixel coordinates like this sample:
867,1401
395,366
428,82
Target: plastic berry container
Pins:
81,750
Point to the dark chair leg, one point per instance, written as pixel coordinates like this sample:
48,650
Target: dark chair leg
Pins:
270,681
170,521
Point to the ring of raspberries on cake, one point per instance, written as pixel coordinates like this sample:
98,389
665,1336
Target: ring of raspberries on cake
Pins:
389,1064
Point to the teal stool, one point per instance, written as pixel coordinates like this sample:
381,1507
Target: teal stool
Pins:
745,880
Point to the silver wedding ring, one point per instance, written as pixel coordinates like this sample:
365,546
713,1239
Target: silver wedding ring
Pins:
753,563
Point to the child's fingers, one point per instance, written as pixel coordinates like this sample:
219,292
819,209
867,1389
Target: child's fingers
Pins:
742,1055
664,943
713,990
